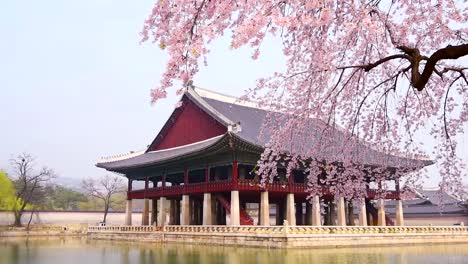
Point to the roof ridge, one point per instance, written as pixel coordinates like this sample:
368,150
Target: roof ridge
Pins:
205,93
123,156
196,98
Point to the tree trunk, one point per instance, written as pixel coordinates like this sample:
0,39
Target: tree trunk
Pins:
106,210
18,218
30,219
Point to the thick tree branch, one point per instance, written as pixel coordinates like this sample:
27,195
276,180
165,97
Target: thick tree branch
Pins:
418,80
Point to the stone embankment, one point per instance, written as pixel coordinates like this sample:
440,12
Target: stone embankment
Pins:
285,236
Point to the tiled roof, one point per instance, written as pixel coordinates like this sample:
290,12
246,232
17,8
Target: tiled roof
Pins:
251,119
153,157
437,197
231,112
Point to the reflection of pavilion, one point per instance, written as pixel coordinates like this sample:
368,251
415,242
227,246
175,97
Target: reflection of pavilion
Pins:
199,167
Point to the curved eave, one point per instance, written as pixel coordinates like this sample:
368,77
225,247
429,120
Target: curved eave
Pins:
167,155
405,163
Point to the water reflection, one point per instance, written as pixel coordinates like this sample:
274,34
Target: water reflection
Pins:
83,251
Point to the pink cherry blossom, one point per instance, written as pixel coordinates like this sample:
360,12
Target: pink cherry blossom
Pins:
376,73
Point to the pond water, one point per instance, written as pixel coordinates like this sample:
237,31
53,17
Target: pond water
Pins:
84,251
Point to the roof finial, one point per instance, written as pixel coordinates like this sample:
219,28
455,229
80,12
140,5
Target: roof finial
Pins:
190,85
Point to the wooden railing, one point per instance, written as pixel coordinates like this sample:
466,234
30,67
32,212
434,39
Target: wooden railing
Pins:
227,185
285,229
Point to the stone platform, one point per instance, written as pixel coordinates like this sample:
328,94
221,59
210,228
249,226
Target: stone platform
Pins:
285,236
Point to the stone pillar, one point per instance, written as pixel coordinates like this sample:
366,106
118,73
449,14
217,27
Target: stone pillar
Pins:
362,213
316,221
145,213
308,217
162,211
177,214
399,213
207,209
290,214
220,214
154,211
399,205
350,213
173,211
299,214
264,209
280,213
341,212
381,213
128,212
235,213
331,213
185,210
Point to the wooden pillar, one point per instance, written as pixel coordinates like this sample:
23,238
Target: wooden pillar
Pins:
341,212
128,212
186,178
129,186
207,176
235,175
290,214
264,209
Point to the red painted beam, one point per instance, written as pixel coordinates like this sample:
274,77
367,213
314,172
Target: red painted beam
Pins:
235,174
228,185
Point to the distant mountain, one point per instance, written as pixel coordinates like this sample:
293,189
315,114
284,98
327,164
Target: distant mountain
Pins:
71,183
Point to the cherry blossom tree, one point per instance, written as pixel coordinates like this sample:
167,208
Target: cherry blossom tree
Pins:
383,72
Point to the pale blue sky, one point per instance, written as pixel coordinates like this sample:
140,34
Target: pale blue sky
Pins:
74,81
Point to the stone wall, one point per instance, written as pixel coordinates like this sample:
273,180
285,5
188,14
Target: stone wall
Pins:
287,237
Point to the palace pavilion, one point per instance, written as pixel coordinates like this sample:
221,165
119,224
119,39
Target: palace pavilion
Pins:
200,170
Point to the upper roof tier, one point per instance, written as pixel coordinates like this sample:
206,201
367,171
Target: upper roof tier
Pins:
206,118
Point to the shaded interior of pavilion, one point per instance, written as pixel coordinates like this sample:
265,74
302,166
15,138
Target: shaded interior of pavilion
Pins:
230,194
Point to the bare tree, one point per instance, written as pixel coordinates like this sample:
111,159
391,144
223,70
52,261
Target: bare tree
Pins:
29,183
103,188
